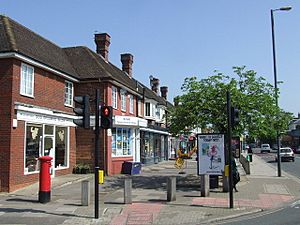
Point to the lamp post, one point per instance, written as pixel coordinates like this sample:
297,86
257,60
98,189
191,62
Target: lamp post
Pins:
287,8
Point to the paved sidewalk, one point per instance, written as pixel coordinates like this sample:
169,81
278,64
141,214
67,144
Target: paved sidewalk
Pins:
260,191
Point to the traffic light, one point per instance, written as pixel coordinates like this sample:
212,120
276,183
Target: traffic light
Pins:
83,111
106,117
235,116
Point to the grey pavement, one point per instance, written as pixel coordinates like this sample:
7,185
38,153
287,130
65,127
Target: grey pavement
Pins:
260,191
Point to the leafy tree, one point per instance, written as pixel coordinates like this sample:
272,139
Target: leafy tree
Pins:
203,104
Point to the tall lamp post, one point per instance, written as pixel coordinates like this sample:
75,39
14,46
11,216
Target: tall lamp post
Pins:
287,8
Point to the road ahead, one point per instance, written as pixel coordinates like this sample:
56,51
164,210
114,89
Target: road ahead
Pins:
289,167
287,215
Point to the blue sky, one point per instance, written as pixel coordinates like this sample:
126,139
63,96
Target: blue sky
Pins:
175,39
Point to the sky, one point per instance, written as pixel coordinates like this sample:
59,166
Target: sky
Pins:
175,39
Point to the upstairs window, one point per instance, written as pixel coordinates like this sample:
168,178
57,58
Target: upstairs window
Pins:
27,80
140,108
123,100
68,93
147,111
131,103
114,97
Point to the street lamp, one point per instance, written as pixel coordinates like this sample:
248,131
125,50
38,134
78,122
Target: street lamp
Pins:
286,8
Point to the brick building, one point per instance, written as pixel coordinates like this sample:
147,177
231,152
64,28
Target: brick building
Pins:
38,82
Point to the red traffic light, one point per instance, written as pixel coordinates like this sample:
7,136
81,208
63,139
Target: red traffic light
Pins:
105,111
106,117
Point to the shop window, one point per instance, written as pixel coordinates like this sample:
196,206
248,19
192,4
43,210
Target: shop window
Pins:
33,147
27,80
61,138
40,142
121,145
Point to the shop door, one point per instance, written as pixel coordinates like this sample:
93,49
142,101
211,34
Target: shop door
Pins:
48,150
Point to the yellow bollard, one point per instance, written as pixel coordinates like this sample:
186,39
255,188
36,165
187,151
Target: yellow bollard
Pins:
101,176
226,171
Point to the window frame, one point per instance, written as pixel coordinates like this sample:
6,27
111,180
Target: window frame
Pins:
147,109
125,142
114,97
72,93
131,104
23,92
43,135
123,100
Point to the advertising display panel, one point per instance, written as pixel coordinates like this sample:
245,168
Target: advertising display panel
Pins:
211,152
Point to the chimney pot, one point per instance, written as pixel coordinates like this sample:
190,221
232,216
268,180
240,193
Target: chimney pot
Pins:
127,61
154,83
164,91
102,43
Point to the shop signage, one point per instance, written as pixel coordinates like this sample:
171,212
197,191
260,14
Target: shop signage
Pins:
211,151
130,121
42,118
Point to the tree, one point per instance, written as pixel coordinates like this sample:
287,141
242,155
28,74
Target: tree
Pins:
203,104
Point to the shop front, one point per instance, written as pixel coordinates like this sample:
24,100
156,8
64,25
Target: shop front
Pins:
125,141
154,145
45,134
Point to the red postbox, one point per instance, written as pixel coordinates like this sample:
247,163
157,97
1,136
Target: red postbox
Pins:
45,179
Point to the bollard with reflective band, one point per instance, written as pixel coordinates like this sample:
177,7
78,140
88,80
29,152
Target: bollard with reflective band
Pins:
226,171
45,179
101,176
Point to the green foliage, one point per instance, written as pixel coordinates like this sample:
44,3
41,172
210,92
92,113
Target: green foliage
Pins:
203,104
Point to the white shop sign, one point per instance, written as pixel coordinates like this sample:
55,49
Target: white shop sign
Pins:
45,119
130,121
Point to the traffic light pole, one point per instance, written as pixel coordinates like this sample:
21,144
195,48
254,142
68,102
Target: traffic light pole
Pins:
96,155
229,154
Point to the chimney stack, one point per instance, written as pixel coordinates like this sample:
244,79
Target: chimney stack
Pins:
102,42
164,91
154,83
127,60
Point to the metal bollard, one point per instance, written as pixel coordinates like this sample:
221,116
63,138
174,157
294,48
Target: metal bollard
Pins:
127,191
171,189
85,193
204,185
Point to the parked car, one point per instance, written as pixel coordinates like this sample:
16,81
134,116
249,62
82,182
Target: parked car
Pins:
286,154
297,150
265,148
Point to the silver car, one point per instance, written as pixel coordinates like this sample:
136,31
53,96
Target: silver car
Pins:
286,154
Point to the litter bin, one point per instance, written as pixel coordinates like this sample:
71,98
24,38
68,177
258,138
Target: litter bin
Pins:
249,157
213,181
130,167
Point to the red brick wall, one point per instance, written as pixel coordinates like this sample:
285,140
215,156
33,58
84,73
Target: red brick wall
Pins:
49,89
5,121
48,92
85,139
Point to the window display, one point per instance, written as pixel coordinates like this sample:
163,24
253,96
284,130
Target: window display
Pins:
121,145
41,140
33,147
